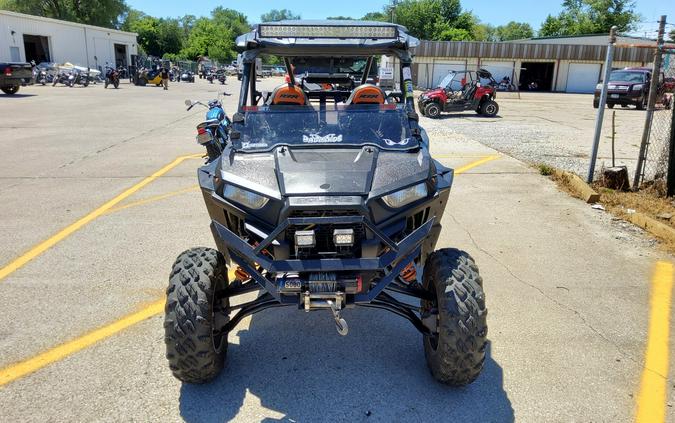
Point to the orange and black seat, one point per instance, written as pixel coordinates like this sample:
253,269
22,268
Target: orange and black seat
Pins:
287,94
367,94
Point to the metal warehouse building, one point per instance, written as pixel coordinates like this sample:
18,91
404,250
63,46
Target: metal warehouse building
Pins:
25,37
566,64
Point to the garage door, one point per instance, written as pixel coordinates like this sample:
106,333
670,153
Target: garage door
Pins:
499,69
441,69
582,77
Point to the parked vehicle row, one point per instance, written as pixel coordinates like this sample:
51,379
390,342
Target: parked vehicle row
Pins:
630,87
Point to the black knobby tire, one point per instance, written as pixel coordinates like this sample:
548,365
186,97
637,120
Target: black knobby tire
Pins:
432,110
489,108
10,89
455,355
195,353
116,83
105,84
610,105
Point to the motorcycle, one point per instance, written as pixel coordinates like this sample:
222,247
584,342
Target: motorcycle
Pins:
66,78
214,132
222,77
112,76
506,85
81,78
210,77
187,76
41,76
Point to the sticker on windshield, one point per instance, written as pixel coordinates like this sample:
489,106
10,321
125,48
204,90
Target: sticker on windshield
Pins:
392,143
321,139
254,144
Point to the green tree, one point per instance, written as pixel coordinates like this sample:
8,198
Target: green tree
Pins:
340,18
591,17
514,31
278,15
671,34
106,13
431,19
376,16
484,32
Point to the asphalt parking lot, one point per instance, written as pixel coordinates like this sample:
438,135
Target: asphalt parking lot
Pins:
98,196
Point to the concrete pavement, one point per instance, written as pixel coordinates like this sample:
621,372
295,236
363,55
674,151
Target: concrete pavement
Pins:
567,287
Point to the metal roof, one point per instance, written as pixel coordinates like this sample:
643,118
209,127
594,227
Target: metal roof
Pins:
502,50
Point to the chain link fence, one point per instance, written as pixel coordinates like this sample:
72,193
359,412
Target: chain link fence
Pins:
655,169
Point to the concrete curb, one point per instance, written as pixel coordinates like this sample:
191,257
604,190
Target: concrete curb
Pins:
581,188
652,226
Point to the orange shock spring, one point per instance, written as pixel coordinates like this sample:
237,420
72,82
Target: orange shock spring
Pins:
241,274
409,274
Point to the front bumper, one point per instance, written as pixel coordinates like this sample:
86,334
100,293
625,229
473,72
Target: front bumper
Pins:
397,255
621,97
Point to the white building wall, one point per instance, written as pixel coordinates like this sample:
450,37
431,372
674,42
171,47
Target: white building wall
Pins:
79,44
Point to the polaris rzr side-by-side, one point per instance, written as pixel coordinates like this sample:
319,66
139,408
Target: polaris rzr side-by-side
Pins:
324,199
460,91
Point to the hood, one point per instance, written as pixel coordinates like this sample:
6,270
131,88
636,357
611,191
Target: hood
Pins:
435,91
323,171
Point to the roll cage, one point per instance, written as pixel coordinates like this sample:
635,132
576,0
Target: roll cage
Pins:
289,39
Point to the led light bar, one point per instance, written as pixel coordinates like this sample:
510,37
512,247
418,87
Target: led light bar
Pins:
305,239
343,237
313,31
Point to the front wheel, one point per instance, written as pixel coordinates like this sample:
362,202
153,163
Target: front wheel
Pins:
10,89
610,105
455,353
116,83
195,348
432,110
489,108
642,104
105,84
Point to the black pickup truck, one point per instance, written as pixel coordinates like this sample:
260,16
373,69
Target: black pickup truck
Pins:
14,75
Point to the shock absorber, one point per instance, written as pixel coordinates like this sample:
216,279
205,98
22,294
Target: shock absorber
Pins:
409,274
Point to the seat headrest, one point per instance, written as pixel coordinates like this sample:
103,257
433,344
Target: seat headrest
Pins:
288,95
366,94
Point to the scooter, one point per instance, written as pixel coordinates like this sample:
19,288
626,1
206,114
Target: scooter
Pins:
214,132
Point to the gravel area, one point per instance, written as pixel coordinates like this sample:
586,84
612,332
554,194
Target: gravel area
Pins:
549,128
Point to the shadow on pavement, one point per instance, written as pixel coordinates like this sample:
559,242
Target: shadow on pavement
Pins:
17,95
301,369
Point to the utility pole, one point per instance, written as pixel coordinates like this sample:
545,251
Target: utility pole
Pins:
602,104
653,86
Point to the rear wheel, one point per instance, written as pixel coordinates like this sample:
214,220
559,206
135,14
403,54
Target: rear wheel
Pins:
489,108
195,348
456,352
10,89
116,83
432,110
596,104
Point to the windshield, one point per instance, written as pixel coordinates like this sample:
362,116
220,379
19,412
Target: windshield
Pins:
624,76
446,81
385,126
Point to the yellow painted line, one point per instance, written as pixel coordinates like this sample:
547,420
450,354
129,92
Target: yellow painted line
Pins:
40,248
31,365
651,400
58,353
475,164
153,199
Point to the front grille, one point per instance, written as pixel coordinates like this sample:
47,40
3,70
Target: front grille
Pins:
324,247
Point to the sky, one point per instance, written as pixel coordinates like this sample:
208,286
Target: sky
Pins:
488,11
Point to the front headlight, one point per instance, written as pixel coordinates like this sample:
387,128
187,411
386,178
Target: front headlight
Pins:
637,87
243,197
406,195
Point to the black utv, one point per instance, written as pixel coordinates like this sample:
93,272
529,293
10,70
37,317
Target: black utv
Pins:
324,199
